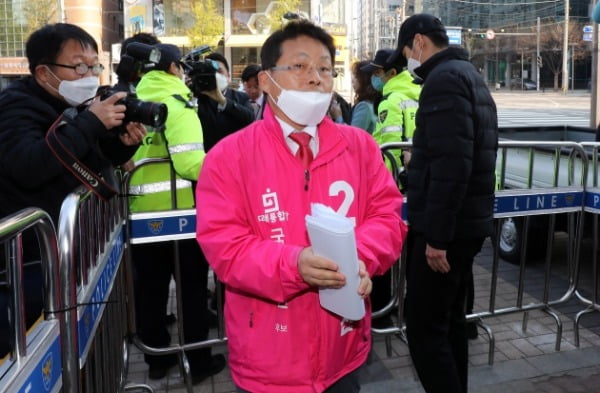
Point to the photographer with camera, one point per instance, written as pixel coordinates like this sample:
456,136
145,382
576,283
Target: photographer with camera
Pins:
222,110
63,60
64,65
150,190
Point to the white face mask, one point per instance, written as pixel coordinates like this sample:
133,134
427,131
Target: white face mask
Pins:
222,81
77,91
413,64
80,90
307,108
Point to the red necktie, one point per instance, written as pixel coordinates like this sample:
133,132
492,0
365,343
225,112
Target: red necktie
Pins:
304,154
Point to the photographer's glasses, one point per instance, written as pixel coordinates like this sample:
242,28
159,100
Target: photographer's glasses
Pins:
301,70
82,68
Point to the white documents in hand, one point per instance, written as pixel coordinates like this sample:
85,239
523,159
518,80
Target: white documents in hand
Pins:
332,236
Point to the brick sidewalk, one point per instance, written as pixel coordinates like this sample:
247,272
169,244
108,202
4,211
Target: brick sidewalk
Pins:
524,361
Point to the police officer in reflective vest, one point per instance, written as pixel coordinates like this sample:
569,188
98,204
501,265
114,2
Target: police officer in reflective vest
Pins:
398,107
150,190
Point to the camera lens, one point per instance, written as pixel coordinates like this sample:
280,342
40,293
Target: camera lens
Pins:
150,113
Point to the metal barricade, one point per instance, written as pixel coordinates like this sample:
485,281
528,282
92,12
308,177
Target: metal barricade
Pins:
161,226
34,364
398,270
93,320
592,206
559,191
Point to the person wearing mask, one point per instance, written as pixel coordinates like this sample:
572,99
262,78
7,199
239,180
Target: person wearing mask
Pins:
150,190
222,111
252,88
363,112
253,232
65,69
451,178
398,106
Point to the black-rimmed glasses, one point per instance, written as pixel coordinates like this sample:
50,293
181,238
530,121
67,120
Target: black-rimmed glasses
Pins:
82,68
301,70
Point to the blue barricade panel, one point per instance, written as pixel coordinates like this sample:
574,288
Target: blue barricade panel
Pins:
41,370
97,294
592,201
162,226
537,201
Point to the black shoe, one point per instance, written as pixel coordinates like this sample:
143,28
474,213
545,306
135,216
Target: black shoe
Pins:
217,365
472,332
158,368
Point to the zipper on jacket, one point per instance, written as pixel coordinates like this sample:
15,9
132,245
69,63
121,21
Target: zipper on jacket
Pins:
306,179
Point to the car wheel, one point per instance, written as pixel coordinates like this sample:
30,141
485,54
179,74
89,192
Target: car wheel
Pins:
511,239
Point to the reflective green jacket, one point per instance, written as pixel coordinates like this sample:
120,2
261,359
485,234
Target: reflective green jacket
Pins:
396,112
181,142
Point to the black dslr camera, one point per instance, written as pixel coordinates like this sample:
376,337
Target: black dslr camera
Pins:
200,71
138,58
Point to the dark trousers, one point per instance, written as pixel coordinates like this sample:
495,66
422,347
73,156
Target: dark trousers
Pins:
435,315
154,266
349,383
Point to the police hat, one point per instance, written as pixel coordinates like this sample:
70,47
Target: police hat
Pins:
379,62
168,54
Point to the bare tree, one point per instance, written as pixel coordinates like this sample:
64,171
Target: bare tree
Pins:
551,46
39,13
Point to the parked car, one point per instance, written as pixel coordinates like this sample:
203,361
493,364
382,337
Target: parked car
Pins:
527,84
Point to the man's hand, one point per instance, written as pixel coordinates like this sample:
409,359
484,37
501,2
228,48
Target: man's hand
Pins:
406,157
108,112
319,271
436,259
216,95
335,111
134,135
366,285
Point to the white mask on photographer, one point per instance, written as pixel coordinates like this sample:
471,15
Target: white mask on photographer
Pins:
77,91
307,108
222,81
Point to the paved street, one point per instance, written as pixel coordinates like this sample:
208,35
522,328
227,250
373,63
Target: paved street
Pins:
525,361
543,108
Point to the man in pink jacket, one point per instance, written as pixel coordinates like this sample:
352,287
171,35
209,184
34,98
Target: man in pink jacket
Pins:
254,191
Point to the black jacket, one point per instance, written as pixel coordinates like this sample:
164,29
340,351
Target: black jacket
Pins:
451,174
216,124
30,174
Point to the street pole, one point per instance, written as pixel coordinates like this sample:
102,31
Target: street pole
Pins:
537,56
572,67
565,71
595,108
522,82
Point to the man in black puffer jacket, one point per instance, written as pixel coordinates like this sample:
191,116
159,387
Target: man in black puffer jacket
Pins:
450,199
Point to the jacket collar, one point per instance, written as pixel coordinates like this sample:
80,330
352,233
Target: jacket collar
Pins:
450,53
330,136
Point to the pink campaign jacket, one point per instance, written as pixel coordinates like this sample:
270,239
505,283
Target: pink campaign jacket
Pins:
252,197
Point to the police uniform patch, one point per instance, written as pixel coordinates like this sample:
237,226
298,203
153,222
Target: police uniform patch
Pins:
383,115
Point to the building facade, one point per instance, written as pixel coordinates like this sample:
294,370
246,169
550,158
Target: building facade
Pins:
18,18
247,24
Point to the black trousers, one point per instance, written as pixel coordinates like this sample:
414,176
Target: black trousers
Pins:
154,266
435,315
